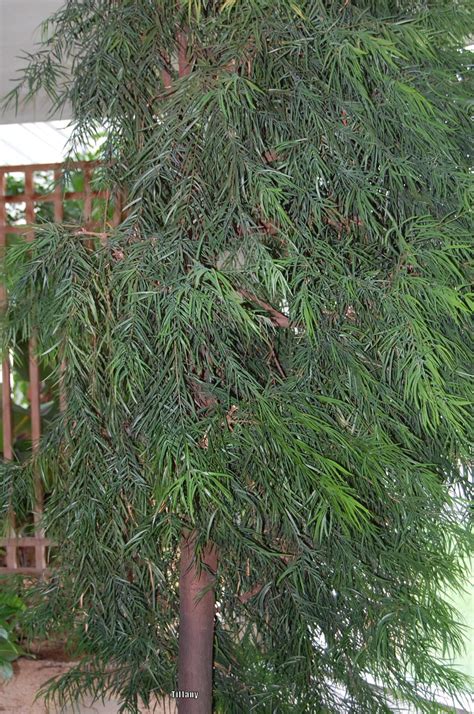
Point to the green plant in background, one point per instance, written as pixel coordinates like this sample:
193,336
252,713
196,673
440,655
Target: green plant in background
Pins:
73,181
271,351
11,608
44,184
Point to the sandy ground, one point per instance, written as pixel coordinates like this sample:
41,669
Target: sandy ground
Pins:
17,695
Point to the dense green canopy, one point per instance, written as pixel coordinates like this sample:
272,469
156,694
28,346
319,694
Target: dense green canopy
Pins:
271,348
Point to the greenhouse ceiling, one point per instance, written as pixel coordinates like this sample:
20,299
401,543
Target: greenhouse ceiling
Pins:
19,32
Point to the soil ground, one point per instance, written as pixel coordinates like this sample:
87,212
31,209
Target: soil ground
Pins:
17,695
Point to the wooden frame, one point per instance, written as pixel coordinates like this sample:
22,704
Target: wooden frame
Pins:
15,543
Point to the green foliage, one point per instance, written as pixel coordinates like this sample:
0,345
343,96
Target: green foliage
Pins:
11,607
273,348
73,181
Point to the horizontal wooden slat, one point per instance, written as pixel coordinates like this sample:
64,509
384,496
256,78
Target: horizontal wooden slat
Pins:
17,229
49,197
25,541
23,570
70,166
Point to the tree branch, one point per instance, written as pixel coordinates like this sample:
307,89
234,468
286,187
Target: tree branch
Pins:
277,317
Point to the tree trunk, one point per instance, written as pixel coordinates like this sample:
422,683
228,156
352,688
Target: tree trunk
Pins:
196,628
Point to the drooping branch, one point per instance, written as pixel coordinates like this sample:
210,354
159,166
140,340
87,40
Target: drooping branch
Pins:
277,317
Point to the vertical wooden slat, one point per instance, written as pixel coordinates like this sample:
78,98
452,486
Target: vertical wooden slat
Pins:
87,215
11,550
7,410
58,196
58,218
29,203
35,385
35,388
6,396
35,404
87,206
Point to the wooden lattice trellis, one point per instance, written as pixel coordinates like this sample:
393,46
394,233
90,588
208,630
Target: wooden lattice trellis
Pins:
29,554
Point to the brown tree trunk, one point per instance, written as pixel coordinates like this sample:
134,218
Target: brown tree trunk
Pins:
196,628
196,611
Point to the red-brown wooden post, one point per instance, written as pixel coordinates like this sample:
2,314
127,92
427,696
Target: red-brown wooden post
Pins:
11,550
58,218
87,211
58,196
35,390
6,386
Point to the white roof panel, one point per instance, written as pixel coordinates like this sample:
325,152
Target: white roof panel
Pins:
34,143
19,32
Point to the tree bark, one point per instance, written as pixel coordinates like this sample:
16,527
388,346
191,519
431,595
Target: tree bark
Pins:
196,611
196,628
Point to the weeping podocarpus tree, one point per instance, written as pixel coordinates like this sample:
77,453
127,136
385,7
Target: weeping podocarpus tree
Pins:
258,480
